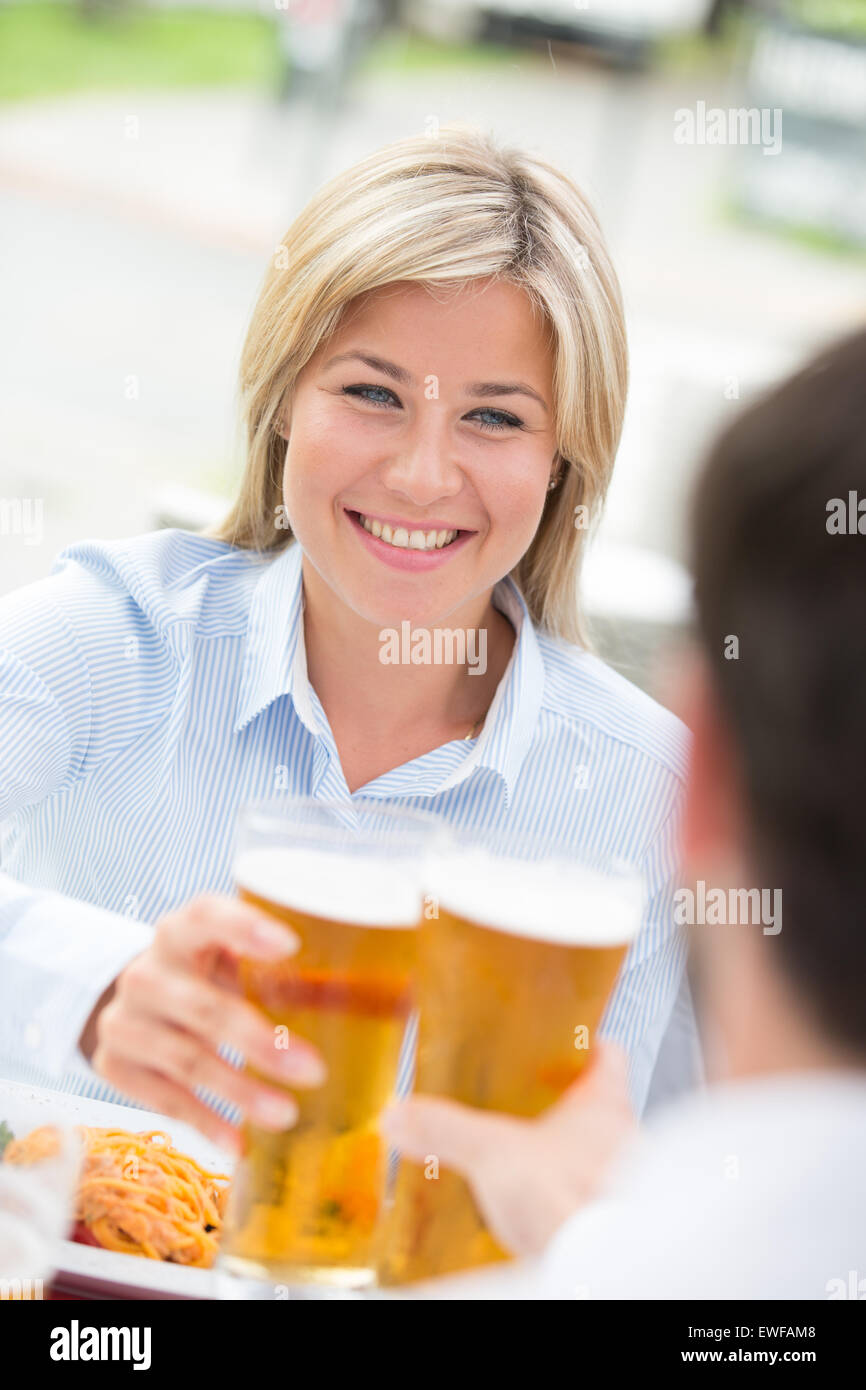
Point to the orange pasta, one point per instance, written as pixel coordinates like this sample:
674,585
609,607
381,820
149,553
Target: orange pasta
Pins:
136,1194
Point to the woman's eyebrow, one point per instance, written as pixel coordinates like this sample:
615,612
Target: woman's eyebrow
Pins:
504,388
378,364
474,388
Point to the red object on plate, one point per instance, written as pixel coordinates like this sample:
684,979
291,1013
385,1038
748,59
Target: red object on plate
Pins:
84,1236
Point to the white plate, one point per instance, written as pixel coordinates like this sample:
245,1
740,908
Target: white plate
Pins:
85,1269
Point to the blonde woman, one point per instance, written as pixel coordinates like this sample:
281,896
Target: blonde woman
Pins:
433,385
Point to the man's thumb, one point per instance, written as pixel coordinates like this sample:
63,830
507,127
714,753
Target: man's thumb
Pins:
605,1079
426,1127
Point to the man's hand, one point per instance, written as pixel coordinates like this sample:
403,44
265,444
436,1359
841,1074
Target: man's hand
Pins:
528,1176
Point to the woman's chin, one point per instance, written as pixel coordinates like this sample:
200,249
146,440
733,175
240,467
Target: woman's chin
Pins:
389,605
428,605
390,618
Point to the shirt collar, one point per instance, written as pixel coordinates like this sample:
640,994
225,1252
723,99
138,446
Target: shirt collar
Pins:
509,727
275,664
275,660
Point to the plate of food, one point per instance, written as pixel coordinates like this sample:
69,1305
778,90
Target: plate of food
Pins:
149,1201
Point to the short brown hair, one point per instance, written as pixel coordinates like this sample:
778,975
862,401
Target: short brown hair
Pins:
773,570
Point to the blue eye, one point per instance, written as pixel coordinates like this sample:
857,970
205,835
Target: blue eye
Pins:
497,419
486,416
379,395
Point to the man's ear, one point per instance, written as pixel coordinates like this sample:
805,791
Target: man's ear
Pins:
713,820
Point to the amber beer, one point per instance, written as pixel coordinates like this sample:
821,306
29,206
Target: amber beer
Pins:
306,1203
513,978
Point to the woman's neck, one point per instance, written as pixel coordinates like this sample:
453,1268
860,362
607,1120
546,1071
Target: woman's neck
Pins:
384,713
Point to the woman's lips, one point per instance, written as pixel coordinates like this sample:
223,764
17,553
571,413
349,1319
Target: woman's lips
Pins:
404,557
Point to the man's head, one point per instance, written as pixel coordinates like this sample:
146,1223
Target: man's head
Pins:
778,784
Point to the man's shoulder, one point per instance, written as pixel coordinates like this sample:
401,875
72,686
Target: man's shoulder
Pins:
597,701
725,1195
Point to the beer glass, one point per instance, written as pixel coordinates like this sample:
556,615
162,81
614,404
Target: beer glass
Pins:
306,1203
513,977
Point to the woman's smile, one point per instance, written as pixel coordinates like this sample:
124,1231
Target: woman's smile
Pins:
406,544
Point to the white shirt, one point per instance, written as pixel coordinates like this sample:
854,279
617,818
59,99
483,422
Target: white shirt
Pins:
755,1189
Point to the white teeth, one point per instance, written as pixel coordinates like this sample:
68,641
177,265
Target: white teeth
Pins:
407,540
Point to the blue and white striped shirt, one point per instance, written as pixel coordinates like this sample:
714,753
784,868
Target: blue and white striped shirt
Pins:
151,686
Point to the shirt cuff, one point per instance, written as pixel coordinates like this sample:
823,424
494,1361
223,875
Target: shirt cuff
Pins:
59,956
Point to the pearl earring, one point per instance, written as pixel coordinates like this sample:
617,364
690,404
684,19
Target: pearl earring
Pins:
557,475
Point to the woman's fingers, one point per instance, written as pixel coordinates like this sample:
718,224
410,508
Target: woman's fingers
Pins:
215,1016
160,1036
211,922
180,1057
166,1097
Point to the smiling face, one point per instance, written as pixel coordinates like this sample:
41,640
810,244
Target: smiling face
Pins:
421,444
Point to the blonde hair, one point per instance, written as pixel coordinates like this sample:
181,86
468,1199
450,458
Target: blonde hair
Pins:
437,210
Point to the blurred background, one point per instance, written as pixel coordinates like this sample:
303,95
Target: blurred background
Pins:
153,154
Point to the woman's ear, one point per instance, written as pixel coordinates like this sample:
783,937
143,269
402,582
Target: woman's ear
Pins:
283,416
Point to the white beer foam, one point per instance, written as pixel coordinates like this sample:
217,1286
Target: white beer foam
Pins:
365,891
558,901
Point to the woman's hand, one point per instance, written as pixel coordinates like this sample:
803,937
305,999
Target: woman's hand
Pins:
177,1002
528,1176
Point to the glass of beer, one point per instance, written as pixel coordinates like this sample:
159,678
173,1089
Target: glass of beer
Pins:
306,1203
513,977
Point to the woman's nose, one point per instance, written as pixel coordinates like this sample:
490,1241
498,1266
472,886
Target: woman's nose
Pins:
425,466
